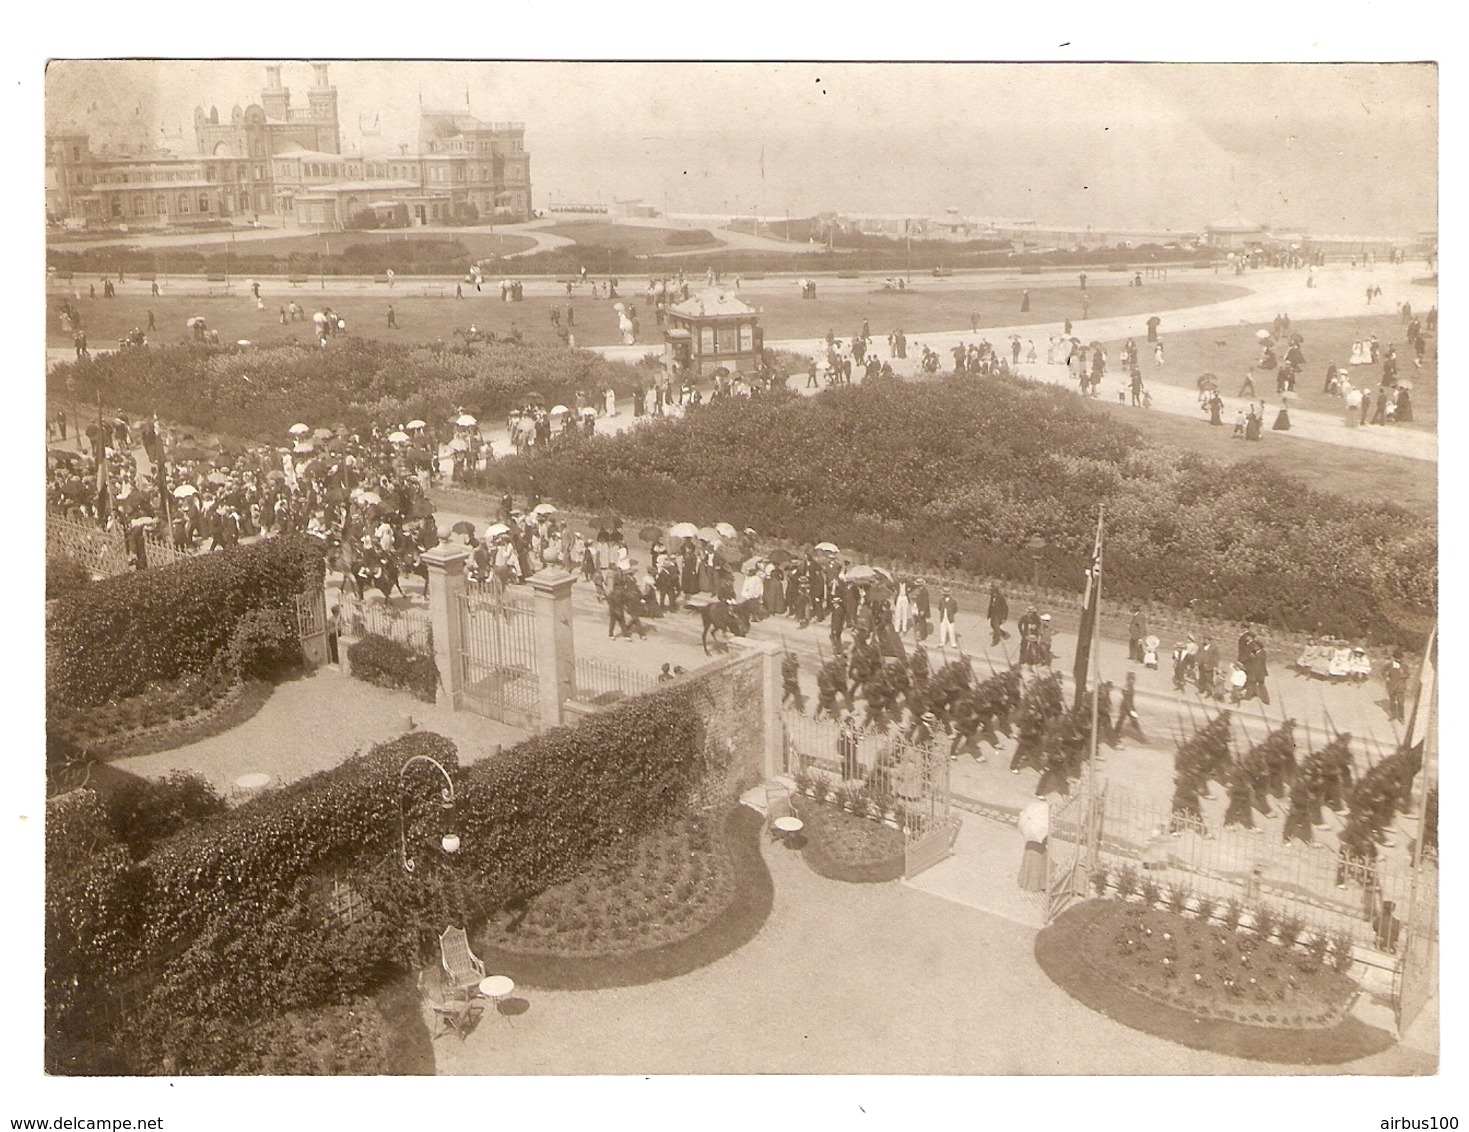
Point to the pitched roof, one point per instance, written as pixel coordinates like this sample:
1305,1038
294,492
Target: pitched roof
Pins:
712,303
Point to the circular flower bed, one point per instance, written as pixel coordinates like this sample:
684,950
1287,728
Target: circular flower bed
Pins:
842,846
1205,986
669,904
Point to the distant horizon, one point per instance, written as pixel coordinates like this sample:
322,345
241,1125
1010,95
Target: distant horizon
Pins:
1332,149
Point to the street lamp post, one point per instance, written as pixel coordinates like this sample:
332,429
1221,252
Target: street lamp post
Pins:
450,841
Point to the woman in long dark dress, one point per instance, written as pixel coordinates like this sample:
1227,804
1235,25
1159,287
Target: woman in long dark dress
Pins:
1405,405
1215,404
1282,420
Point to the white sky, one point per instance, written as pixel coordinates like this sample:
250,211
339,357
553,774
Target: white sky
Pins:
1333,148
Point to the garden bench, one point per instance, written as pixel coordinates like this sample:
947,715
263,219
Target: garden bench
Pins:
434,290
297,280
380,279
218,284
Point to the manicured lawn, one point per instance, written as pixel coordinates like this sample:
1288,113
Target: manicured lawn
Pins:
784,315
1192,353
635,238
479,244
931,305
1354,472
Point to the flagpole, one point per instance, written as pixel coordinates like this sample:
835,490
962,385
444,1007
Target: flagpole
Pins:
1094,609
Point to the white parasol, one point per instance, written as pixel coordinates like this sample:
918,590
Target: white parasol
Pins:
464,420
300,429
370,497
184,490
1262,334
399,437
683,530
416,424
543,509
495,530
828,547
458,444
1035,821
726,530
559,410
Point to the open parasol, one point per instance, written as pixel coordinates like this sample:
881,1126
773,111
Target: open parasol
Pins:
299,429
217,478
559,410
828,547
399,437
543,509
304,447
323,433
184,490
709,535
196,321
683,530
1035,821
463,527
416,424
370,497
650,534
780,556
495,530
726,530
1262,335
464,420
860,574
1207,381
1405,383
459,444
730,555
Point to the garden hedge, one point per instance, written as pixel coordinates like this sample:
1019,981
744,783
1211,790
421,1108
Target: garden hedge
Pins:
356,382
961,473
234,907
114,638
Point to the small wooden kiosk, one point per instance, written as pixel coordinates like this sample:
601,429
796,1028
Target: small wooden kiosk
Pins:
713,329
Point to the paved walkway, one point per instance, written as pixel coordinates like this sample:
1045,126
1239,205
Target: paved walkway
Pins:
318,722
842,979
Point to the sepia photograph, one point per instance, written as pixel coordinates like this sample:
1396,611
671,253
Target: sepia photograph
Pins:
701,569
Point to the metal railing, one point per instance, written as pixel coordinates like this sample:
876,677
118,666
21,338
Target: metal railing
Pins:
600,681
409,626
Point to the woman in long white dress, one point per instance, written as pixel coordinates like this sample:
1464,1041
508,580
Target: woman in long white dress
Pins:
1360,356
610,399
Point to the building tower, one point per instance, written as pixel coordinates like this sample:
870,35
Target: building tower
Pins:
275,99
323,100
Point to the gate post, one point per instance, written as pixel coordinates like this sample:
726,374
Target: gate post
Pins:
770,684
555,641
445,593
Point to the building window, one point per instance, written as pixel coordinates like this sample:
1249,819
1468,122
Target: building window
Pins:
747,338
140,206
183,203
116,207
76,153
160,206
203,203
728,340
706,339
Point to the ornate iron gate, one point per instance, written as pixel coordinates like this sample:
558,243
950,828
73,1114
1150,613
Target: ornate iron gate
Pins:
497,659
311,624
1071,848
1416,978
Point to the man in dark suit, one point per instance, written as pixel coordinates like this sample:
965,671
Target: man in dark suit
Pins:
1137,630
918,597
998,614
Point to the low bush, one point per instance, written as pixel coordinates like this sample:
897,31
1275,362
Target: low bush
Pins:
144,811
392,664
266,645
65,575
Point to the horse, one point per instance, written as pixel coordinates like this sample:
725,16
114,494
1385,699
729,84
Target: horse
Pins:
723,617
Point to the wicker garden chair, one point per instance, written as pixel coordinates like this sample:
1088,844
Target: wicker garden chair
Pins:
462,968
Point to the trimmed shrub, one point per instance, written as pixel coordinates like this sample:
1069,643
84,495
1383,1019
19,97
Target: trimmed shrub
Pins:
266,645
119,635
65,575
392,664
145,811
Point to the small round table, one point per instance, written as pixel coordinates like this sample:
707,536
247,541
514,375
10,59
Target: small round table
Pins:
786,829
496,988
250,783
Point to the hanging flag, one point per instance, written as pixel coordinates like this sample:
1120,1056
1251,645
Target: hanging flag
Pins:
1090,609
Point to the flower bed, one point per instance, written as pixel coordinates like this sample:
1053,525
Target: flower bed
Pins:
663,888
647,932
843,846
1204,986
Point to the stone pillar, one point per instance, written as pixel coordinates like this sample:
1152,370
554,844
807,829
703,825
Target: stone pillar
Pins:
770,686
445,587
555,641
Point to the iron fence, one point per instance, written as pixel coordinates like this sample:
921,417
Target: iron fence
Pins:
407,625
600,681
